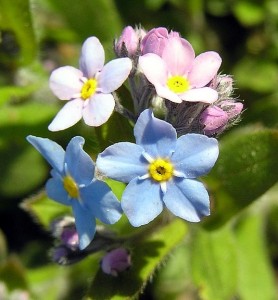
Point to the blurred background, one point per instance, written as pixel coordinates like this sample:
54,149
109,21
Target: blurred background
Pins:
37,36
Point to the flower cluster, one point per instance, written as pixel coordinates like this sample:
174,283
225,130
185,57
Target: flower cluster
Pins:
180,104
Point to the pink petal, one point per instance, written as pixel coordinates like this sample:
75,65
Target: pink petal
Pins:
205,67
206,95
92,57
114,74
98,110
65,82
178,55
69,115
166,93
154,68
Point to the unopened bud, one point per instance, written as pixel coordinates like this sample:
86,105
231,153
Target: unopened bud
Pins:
232,108
116,261
214,120
128,43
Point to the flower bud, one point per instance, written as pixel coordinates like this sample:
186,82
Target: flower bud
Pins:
128,43
224,84
116,261
214,120
232,108
155,40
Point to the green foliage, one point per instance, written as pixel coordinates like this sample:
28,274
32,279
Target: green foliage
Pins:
231,254
147,255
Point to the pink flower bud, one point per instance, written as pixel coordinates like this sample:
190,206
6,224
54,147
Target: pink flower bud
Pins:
233,109
128,42
155,40
214,120
116,261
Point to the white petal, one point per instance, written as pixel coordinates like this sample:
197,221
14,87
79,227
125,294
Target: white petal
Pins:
114,74
154,68
65,82
92,57
166,93
69,115
98,109
206,95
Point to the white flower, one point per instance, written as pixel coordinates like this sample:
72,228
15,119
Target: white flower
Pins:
89,89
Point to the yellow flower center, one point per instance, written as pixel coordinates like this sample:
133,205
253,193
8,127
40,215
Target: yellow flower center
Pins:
71,187
178,84
161,169
88,88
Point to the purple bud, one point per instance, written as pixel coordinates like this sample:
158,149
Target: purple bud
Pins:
232,108
116,261
128,42
69,237
214,120
59,254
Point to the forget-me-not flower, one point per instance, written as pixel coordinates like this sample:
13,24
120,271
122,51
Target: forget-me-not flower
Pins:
73,184
178,75
88,89
161,170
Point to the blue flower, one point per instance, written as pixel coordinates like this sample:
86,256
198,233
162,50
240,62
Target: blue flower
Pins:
73,184
161,170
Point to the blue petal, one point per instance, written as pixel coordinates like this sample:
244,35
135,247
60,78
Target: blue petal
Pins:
50,150
157,137
85,224
103,204
55,190
187,199
142,201
122,161
79,163
195,154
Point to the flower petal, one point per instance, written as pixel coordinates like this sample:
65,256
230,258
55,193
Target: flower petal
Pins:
85,224
205,94
98,109
79,163
195,154
141,201
114,74
187,199
92,57
102,202
178,55
68,116
56,191
122,161
205,67
165,92
65,82
157,137
50,150
154,68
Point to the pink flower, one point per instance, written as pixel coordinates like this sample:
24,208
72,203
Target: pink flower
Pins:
155,40
178,75
88,89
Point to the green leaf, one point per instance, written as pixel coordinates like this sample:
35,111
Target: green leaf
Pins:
15,16
13,274
256,278
249,13
99,18
264,75
146,255
44,209
247,167
214,263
